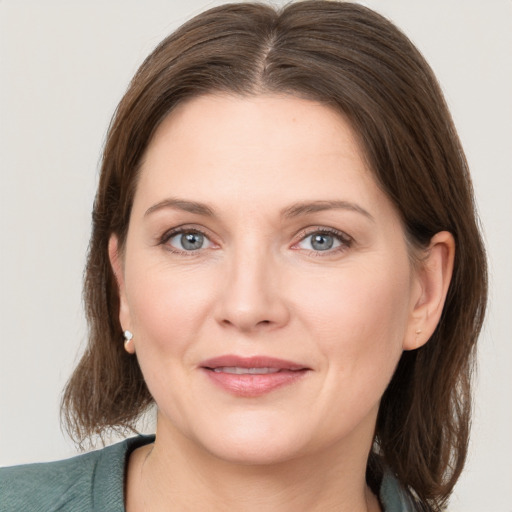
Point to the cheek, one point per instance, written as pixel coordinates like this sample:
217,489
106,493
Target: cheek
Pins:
359,315
167,307
167,310
357,324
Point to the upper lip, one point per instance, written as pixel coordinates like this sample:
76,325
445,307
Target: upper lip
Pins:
231,360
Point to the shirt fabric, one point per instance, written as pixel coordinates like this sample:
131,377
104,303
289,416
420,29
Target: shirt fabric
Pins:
94,482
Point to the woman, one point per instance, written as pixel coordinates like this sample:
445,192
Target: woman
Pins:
284,237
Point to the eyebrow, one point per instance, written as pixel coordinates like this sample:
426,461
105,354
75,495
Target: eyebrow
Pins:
181,204
306,208
295,210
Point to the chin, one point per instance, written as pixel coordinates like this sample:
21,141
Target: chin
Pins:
256,454
258,445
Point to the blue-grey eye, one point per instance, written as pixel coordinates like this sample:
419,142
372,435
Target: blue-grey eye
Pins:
192,241
189,241
319,241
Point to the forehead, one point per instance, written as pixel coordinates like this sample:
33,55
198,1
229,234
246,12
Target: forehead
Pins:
267,122
249,160
251,144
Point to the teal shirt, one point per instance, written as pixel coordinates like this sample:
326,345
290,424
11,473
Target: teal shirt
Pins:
94,482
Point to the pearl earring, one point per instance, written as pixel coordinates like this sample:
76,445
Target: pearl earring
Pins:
128,336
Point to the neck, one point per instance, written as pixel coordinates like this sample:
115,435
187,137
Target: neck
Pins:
188,477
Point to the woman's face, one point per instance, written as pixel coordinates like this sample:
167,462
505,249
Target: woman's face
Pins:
266,280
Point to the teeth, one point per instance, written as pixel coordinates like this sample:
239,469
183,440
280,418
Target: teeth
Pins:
243,371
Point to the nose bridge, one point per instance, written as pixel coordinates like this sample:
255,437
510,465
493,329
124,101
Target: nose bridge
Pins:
251,298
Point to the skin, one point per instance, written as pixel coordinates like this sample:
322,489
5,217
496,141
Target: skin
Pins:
258,286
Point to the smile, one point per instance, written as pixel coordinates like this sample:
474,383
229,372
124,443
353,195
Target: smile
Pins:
244,371
252,377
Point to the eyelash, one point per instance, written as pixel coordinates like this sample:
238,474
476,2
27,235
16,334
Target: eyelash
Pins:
344,239
179,231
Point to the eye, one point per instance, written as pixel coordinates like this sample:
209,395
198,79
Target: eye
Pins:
323,241
188,241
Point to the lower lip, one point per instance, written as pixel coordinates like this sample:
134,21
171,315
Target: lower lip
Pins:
251,385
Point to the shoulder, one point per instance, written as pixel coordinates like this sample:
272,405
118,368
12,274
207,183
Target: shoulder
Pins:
49,486
393,497
93,481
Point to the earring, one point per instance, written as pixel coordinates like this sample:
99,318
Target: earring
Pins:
128,345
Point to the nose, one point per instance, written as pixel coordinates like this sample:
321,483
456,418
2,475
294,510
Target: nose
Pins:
251,297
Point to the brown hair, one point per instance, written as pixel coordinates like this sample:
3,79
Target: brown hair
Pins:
357,62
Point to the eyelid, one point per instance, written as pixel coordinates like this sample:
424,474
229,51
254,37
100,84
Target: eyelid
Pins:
346,240
303,233
184,228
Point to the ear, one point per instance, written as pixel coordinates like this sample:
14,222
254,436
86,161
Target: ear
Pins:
116,261
433,278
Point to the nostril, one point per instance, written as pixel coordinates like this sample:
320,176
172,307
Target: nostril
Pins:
240,323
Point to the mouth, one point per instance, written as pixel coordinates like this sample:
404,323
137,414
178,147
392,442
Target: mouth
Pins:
236,370
252,376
